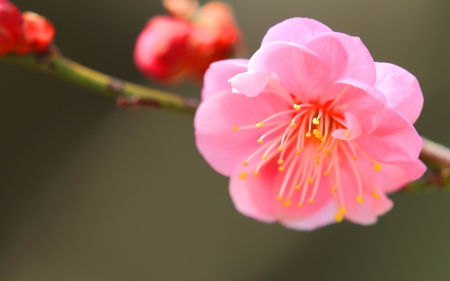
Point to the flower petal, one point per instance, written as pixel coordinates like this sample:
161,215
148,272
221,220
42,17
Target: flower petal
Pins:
360,99
217,142
300,71
344,57
353,128
402,90
322,217
394,177
394,140
254,196
365,213
250,84
218,73
296,30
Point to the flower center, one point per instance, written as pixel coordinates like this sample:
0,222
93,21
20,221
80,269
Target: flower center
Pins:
299,140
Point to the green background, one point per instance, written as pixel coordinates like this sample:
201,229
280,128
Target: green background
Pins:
89,191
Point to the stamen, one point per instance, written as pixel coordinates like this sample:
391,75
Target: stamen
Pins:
356,173
242,175
287,176
376,165
308,134
316,185
271,131
284,112
339,96
353,150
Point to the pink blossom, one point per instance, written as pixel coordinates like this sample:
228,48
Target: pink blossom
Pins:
310,130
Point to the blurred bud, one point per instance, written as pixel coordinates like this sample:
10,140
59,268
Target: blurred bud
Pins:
163,47
10,26
184,9
217,36
172,47
38,34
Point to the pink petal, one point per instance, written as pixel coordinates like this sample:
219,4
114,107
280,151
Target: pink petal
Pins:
360,99
300,71
295,30
394,140
367,212
218,74
353,128
222,147
321,217
254,197
402,90
344,56
250,84
394,177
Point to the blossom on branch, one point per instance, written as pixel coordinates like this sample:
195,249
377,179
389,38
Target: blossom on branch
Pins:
310,129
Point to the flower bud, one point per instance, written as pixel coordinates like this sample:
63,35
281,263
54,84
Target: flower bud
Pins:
38,34
163,48
173,47
10,26
181,8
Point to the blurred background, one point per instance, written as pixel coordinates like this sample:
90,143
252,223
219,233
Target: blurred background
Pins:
89,191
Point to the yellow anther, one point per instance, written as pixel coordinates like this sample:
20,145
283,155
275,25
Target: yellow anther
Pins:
316,121
300,205
343,210
298,152
264,157
242,175
255,174
298,187
377,167
292,124
376,195
326,173
338,217
287,203
235,128
346,132
355,157
308,135
315,132
280,198
260,141
317,162
260,124
280,161
310,181
326,151
297,107
245,163
280,148
334,189
359,199
310,201
317,156
281,168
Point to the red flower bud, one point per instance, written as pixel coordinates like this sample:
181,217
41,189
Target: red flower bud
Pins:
10,26
38,34
163,48
171,48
